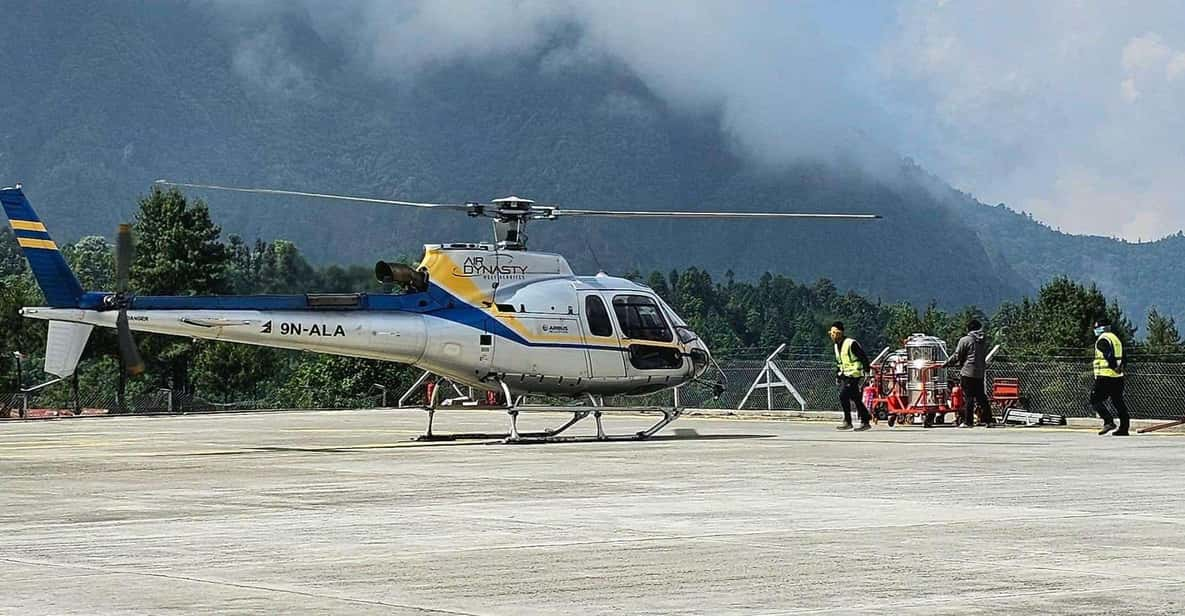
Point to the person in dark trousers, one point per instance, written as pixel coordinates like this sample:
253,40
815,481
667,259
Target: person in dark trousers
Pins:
850,363
1108,378
970,357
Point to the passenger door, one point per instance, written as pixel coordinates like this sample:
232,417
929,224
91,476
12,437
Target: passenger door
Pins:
605,355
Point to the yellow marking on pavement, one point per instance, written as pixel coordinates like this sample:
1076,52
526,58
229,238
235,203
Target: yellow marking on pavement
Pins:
24,447
386,445
267,449
195,452
332,430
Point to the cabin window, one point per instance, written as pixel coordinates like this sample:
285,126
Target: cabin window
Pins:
598,316
640,318
650,357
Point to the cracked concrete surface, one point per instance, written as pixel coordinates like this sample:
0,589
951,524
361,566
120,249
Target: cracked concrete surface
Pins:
338,512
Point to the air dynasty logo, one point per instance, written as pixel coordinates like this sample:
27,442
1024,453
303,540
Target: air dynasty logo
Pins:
298,329
497,267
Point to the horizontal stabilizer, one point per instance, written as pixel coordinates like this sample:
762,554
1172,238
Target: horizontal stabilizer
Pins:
64,346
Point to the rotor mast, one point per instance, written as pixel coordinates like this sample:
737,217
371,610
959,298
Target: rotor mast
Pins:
510,221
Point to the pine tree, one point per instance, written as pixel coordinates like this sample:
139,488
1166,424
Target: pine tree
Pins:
177,247
93,263
1163,337
177,253
11,260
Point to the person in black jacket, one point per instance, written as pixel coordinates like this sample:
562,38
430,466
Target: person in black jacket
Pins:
970,357
851,362
1108,378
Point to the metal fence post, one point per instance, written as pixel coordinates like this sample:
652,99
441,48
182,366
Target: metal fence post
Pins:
74,388
383,394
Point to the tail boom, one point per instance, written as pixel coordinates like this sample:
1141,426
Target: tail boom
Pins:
398,337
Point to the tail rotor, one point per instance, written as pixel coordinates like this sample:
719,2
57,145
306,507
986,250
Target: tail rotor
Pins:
125,251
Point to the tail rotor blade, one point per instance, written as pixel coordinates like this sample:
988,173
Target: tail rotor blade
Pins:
124,253
127,346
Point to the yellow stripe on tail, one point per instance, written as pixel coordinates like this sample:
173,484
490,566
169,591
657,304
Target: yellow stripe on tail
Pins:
26,242
27,225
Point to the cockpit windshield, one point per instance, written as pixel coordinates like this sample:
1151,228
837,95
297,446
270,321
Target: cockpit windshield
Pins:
640,318
685,333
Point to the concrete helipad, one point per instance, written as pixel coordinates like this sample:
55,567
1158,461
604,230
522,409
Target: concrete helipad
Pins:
337,512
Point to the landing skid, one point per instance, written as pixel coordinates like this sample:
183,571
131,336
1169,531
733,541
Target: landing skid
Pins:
514,435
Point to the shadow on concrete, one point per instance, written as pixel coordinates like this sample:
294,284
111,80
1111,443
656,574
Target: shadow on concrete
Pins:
481,439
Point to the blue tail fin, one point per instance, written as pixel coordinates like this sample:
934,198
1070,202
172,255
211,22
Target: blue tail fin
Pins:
53,275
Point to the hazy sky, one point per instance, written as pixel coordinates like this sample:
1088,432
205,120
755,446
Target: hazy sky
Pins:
1069,110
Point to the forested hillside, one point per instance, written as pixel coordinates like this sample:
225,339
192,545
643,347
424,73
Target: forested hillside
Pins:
104,99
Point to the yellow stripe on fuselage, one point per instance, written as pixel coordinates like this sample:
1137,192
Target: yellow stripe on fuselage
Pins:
27,225
26,242
441,270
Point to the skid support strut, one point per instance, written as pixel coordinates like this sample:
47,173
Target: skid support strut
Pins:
516,407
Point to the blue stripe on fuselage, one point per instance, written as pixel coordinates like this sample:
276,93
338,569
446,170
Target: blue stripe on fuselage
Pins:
463,313
435,302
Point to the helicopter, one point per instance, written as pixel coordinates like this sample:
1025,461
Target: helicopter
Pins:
493,316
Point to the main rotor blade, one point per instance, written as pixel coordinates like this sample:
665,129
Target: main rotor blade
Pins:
662,214
127,345
124,254
296,193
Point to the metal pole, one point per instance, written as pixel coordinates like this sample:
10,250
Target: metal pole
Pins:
77,400
20,384
769,381
121,388
414,389
383,394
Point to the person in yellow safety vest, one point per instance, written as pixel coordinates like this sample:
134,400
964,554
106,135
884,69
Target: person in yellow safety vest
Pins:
1108,378
850,363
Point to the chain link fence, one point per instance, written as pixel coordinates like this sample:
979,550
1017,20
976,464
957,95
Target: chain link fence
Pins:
49,403
1154,390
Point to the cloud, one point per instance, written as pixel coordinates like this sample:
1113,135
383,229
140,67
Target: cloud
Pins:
265,60
1176,67
781,88
1150,61
1061,107
1130,93
1145,52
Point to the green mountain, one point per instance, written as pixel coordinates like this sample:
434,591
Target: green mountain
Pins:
1140,276
103,99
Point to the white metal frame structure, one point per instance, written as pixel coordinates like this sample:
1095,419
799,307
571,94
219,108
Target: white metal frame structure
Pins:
766,380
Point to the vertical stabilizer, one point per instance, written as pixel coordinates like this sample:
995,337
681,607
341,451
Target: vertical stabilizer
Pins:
57,282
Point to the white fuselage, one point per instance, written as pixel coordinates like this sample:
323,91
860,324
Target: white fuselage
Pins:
550,332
